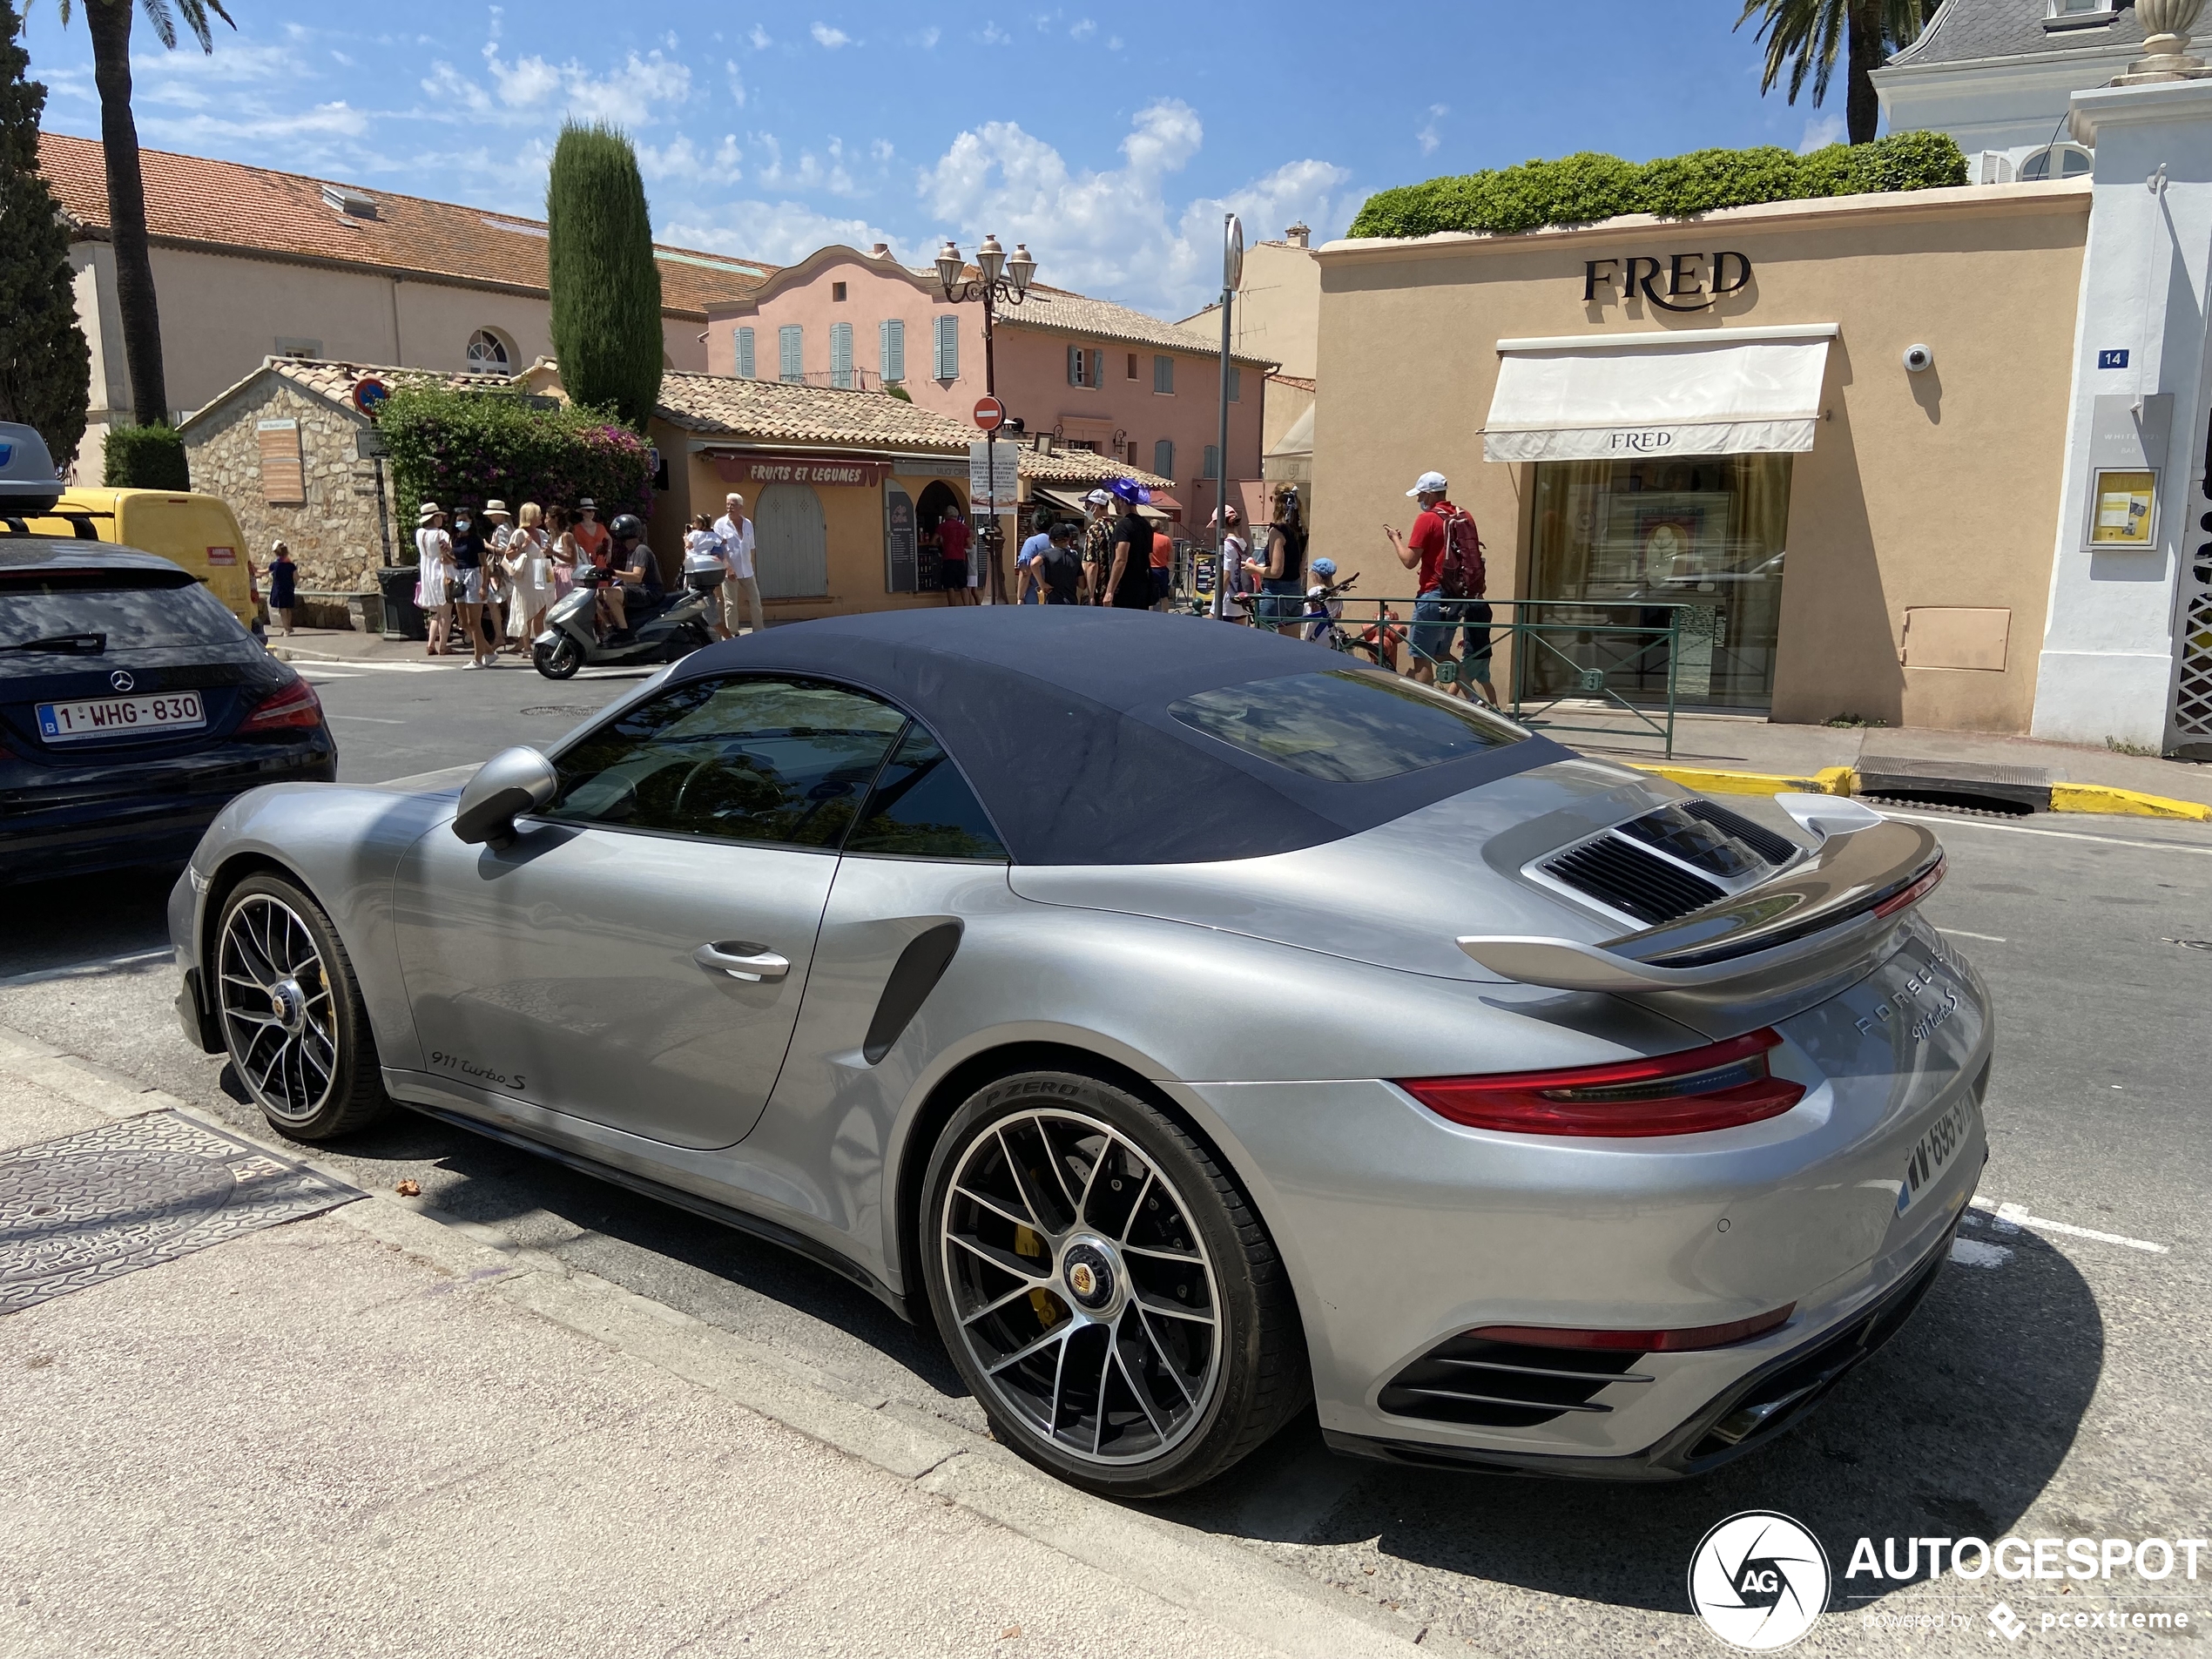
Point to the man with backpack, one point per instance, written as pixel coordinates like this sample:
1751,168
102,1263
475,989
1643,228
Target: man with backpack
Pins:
1447,552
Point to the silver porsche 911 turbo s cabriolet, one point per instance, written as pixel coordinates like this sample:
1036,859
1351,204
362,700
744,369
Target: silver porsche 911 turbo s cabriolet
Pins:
1188,1023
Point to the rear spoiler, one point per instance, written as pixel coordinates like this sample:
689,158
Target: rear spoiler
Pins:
1822,916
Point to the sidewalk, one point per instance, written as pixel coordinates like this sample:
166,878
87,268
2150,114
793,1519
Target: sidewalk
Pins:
370,1432
1738,743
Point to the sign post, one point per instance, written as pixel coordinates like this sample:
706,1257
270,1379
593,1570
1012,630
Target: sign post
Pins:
990,416
1232,273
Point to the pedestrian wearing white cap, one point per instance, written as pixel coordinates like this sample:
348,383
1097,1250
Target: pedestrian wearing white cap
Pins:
1446,551
1098,530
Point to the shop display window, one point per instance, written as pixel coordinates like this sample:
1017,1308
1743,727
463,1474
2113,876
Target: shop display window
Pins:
1619,546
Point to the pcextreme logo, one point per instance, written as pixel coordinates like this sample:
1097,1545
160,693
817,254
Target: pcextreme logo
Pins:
1759,1581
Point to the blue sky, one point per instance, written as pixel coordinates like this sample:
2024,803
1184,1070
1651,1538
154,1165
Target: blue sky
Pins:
1109,139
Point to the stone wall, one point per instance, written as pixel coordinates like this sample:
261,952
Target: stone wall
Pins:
335,536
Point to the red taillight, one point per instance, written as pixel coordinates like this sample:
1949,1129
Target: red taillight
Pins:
295,704
1913,891
1702,1336
1717,1086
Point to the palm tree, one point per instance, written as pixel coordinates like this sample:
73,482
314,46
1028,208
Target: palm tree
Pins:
1803,34
110,23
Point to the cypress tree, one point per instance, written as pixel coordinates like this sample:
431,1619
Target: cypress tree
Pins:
605,287
45,367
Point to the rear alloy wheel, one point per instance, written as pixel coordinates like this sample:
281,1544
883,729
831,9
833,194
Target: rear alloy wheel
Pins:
558,661
1105,1289
292,1015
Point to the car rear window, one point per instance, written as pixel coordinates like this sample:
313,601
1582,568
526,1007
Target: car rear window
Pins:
1345,726
123,610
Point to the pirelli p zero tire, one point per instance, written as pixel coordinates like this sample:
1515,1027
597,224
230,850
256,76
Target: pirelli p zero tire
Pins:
292,1013
1105,1287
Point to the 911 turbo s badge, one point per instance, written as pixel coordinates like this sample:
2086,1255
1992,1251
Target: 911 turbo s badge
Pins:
480,1073
1926,999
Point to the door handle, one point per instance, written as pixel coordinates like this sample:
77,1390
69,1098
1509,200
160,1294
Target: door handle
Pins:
754,962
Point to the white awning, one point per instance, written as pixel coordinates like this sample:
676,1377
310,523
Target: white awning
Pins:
1716,392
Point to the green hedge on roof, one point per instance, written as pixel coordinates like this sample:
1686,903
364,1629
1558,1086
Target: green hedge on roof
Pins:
1582,189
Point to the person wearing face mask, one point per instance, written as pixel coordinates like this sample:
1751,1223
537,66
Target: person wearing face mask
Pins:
469,587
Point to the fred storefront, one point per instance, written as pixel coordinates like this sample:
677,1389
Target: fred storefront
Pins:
1717,420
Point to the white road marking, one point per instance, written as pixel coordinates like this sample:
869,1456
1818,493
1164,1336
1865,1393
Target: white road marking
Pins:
319,674
1972,1252
1949,933
1946,821
372,720
85,970
349,666
2011,1217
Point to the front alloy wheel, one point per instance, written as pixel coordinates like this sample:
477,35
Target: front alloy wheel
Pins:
291,1016
1104,1288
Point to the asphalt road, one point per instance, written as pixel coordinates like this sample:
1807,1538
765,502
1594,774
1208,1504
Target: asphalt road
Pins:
2051,1386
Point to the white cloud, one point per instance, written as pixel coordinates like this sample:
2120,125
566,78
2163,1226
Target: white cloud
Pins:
882,150
693,164
1083,30
1114,43
781,233
1428,138
737,82
1115,232
1821,131
929,38
529,91
760,39
994,36
827,36
808,172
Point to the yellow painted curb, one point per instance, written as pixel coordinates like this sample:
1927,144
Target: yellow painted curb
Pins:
1835,780
2102,797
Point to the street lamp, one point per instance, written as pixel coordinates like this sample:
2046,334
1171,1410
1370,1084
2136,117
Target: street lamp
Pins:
1002,281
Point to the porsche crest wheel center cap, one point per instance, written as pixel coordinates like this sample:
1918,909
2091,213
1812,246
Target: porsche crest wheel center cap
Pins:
289,1003
1090,1275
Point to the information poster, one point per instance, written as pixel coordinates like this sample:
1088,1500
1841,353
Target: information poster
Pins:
2126,510
900,541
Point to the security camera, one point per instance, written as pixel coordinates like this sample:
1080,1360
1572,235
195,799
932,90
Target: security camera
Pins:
1917,358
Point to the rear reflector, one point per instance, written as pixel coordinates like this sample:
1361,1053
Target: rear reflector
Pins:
1702,1336
295,704
1913,891
1720,1086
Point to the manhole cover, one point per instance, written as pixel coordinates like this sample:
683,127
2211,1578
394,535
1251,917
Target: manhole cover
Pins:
564,708
111,1200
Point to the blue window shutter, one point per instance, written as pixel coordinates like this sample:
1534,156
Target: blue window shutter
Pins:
790,352
892,334
947,348
1213,462
1098,369
1164,374
1163,450
744,354
841,355
1075,365
1236,384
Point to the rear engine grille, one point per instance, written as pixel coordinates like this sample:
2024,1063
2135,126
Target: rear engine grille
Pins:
1666,864
1504,1385
1774,849
1617,872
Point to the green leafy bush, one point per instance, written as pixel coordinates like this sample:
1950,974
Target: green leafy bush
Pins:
463,448
1584,188
144,458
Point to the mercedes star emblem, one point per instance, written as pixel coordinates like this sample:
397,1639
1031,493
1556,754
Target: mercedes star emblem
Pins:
121,680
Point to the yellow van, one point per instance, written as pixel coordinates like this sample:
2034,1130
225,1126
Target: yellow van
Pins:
199,532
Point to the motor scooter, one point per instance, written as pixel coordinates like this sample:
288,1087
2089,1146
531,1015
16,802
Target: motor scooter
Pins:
665,630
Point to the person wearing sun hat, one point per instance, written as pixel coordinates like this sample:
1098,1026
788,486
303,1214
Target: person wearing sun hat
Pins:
498,592
1128,578
434,555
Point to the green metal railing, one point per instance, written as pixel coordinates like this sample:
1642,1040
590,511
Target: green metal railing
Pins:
1556,661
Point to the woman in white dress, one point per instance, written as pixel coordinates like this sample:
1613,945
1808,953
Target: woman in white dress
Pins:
434,568
530,577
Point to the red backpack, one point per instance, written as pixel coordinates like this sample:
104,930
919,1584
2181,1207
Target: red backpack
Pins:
1461,575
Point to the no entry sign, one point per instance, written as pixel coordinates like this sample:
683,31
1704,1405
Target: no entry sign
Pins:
990,414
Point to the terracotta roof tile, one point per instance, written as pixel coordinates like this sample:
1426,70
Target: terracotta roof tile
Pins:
1078,313
191,199
717,405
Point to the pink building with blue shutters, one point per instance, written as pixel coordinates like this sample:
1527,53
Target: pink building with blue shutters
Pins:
1095,375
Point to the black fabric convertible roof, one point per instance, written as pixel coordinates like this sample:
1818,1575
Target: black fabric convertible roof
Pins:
1058,716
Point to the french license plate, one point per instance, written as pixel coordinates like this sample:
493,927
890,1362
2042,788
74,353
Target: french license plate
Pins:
1934,1152
116,717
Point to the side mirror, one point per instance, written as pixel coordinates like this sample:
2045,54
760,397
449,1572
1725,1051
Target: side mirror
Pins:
512,781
